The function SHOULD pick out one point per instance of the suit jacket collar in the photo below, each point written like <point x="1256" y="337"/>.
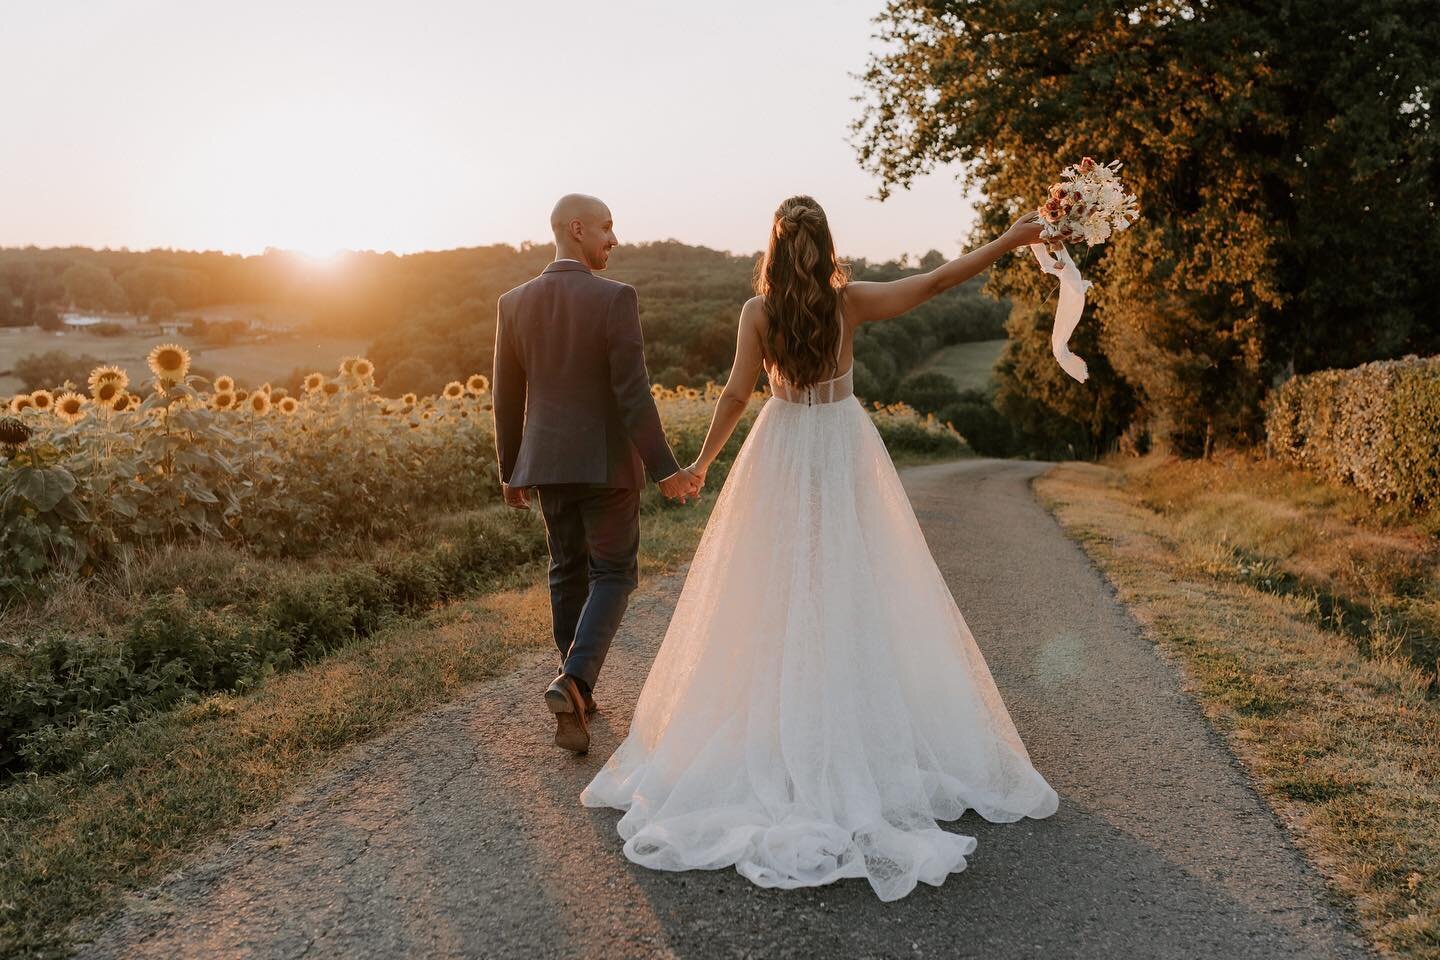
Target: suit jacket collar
<point x="557" y="266"/>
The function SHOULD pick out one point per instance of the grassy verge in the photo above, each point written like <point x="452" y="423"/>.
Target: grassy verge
<point x="73" y="841"/>
<point x="1304" y="620"/>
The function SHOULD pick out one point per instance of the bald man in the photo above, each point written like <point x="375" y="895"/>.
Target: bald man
<point x="575" y="422"/>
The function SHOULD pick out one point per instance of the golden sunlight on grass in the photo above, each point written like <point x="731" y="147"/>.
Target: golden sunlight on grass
<point x="1250" y="575"/>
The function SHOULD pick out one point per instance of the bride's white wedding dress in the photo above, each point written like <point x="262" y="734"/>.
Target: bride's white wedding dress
<point x="818" y="702"/>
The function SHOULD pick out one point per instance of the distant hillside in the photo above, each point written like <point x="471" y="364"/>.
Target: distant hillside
<point x="431" y="316"/>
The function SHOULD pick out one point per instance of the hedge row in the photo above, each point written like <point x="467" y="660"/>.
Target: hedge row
<point x="1375" y="426"/>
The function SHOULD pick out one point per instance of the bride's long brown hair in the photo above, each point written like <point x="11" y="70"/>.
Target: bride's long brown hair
<point x="801" y="281"/>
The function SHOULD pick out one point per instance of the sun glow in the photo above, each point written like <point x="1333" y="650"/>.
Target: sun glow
<point x="328" y="126"/>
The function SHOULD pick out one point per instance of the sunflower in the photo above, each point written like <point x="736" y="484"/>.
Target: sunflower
<point x="454" y="390"/>
<point x="362" y="368"/>
<point x="106" y="390"/>
<point x="425" y="415"/>
<point x="169" y="362"/>
<point x="134" y="402"/>
<point x="13" y="432"/>
<point x="346" y="365"/>
<point x="70" y="406"/>
<point x="477" y="383"/>
<point x="259" y="403"/>
<point x="288" y="405"/>
<point x="108" y="374"/>
<point x="224" y="400"/>
<point x="409" y="399"/>
<point x="224" y="384"/>
<point x="657" y="391"/>
<point x="265" y="388"/>
<point x="314" y="381"/>
<point x="692" y="394"/>
<point x="241" y="395"/>
<point x="20" y="402"/>
<point x="330" y="388"/>
<point x="42" y="399"/>
<point x="121" y="402"/>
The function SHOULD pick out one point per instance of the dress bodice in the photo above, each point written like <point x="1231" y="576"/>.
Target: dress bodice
<point x="826" y="391"/>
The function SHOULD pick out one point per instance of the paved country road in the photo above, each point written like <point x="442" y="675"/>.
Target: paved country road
<point x="459" y="835"/>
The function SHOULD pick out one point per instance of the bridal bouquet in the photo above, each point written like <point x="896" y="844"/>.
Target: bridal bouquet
<point x="1087" y="204"/>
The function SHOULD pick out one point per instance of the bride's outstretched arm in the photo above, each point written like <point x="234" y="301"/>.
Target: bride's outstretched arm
<point x="867" y="300"/>
<point x="744" y="374"/>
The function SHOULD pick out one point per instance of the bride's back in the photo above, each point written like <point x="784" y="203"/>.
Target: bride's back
<point x="836" y="387"/>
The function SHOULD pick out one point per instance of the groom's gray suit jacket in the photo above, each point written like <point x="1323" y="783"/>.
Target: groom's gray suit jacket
<point x="571" y="392"/>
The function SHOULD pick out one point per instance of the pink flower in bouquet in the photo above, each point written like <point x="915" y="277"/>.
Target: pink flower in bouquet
<point x="1086" y="164"/>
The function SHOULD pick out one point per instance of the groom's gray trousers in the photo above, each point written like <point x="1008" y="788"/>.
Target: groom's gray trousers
<point x="594" y="538"/>
<point x="575" y="419"/>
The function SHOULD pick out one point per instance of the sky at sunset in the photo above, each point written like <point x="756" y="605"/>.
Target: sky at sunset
<point x="428" y="125"/>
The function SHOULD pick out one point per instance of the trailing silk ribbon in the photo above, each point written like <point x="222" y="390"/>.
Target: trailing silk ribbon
<point x="1067" y="311"/>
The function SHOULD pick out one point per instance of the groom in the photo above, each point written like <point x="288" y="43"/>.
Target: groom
<point x="575" y="422"/>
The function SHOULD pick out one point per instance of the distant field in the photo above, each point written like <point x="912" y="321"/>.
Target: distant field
<point x="250" y="363"/>
<point x="968" y="364"/>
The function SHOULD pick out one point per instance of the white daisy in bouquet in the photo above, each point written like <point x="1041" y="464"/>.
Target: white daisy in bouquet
<point x="1088" y="204"/>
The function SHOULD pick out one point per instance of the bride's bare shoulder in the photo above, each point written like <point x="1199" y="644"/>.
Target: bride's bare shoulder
<point x="753" y="315"/>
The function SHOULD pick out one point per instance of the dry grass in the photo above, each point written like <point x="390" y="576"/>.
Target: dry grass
<point x="1299" y="616"/>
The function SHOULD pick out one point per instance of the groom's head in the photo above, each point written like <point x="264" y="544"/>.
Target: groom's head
<point x="584" y="230"/>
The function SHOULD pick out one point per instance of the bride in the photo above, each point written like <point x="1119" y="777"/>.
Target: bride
<point x="818" y="702"/>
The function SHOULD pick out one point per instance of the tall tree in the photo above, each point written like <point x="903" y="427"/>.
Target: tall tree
<point x="1284" y="156"/>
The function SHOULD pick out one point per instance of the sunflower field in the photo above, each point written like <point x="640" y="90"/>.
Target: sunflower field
<point x="89" y="477"/>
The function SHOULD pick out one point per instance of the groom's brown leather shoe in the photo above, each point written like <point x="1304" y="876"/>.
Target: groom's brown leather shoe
<point x="564" y="699"/>
<point x="590" y="708"/>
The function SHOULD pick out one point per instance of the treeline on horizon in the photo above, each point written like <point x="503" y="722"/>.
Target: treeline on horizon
<point x="432" y="315"/>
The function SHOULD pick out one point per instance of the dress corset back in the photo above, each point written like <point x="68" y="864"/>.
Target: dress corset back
<point x="826" y="391"/>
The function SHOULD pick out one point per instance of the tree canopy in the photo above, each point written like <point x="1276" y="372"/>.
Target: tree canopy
<point x="1285" y="159"/>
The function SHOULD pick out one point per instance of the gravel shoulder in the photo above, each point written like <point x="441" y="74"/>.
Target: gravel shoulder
<point x="459" y="834"/>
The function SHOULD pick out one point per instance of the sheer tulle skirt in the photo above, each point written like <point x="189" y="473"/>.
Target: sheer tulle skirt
<point x="818" y="702"/>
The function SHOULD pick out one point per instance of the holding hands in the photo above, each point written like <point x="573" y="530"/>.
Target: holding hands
<point x="682" y="485"/>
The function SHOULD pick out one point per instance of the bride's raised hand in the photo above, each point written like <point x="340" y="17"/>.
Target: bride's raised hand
<point x="1024" y="231"/>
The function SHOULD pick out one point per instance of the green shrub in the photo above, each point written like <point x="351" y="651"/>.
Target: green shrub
<point x="931" y="392"/>
<point x="907" y="432"/>
<point x="1375" y="426"/>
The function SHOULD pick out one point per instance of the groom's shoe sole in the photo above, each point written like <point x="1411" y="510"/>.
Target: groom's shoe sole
<point x="571" y="730"/>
